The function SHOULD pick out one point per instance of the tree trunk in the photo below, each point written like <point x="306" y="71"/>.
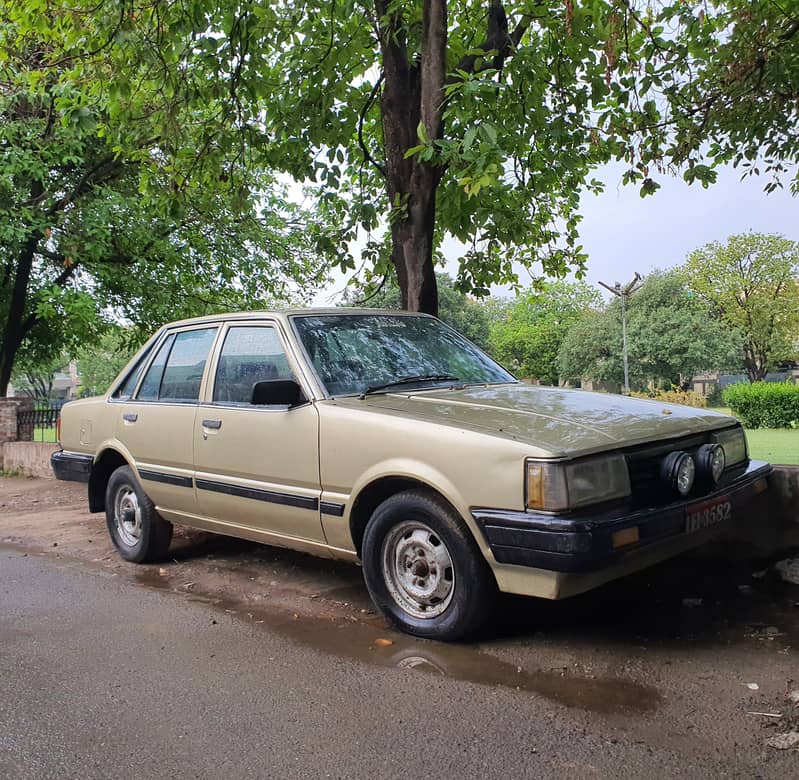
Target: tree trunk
<point x="14" y="327"/>
<point x="413" y="97"/>
<point x="756" y="364"/>
<point x="412" y="253"/>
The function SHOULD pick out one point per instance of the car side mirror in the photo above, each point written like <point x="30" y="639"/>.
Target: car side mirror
<point x="277" y="392"/>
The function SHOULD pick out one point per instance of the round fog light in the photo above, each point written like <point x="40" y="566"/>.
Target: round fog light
<point x="678" y="471"/>
<point x="710" y="461"/>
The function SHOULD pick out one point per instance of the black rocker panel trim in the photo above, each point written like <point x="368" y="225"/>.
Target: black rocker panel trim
<point x="167" y="479"/>
<point x="258" y="494"/>
<point x="332" y="508"/>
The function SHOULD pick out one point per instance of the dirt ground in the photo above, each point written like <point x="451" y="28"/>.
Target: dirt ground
<point x="696" y="654"/>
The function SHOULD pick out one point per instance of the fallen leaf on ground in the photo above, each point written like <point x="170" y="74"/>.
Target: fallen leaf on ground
<point x="789" y="570"/>
<point x="784" y="741"/>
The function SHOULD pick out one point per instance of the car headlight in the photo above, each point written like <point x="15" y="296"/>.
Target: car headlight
<point x="678" y="471"/>
<point x="555" y="487"/>
<point x="710" y="462"/>
<point x="733" y="441"/>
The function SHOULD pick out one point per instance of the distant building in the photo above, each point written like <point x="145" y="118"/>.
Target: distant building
<point x="64" y="387"/>
<point x="66" y="383"/>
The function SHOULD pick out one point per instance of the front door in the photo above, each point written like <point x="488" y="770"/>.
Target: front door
<point x="256" y="466"/>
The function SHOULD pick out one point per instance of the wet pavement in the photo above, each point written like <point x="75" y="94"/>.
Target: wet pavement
<point x="695" y="657"/>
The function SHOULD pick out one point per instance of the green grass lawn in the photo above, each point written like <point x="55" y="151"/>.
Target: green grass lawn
<point x="45" y="434"/>
<point x="776" y="445"/>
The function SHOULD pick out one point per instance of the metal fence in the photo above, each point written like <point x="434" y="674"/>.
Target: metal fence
<point x="39" y="424"/>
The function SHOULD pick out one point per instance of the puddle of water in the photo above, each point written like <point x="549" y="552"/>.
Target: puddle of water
<point x="355" y="640"/>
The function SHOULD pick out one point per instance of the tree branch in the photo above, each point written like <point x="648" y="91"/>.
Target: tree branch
<point x="66" y="274"/>
<point x="498" y="39"/>
<point x="367" y="155"/>
<point x="105" y="170"/>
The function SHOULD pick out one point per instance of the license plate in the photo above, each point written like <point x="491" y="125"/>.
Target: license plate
<point x="701" y="516"/>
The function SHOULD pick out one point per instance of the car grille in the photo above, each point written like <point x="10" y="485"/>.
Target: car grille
<point x="643" y="464"/>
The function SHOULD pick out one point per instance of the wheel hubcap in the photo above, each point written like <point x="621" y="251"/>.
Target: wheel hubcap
<point x="418" y="570"/>
<point x="127" y="516"/>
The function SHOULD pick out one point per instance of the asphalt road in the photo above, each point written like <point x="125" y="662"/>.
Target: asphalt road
<point x="101" y="677"/>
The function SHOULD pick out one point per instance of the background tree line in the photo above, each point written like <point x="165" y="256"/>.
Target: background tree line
<point x="729" y="307"/>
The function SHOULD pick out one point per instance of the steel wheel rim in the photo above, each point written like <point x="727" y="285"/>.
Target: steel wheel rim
<point x="127" y="516"/>
<point x="418" y="569"/>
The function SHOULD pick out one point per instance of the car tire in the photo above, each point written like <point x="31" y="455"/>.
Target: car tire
<point x="424" y="570"/>
<point x="139" y="533"/>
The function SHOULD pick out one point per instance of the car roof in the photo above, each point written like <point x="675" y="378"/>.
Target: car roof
<point x="291" y="312"/>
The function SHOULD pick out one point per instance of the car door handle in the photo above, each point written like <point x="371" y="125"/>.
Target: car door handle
<point x="214" y="424"/>
<point x="130" y="417"/>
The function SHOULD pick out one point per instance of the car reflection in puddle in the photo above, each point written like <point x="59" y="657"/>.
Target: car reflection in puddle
<point x="369" y="642"/>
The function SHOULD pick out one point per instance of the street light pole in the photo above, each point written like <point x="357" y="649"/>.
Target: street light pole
<point x="624" y="293"/>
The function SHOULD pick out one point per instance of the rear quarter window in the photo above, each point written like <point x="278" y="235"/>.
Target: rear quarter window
<point x="128" y="386"/>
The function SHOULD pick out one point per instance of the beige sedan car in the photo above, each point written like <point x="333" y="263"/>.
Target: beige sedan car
<point x="388" y="438"/>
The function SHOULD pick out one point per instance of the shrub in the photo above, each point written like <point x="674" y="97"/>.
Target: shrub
<point x="764" y="404"/>
<point x="684" y="397"/>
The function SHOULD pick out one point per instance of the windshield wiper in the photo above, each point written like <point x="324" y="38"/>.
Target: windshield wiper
<point x="409" y="380"/>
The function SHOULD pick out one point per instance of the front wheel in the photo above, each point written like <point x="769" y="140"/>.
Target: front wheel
<point x="139" y="533"/>
<point x="423" y="568"/>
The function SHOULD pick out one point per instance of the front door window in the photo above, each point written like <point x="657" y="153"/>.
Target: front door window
<point x="249" y="355"/>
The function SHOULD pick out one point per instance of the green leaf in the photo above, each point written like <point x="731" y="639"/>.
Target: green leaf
<point x="414" y="150"/>
<point x="421" y="133"/>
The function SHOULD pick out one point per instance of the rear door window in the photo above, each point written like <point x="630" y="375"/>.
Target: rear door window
<point x="177" y="370"/>
<point x="185" y="366"/>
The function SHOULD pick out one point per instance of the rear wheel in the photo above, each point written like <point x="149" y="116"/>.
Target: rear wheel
<point x="139" y="533"/>
<point x="423" y="568"/>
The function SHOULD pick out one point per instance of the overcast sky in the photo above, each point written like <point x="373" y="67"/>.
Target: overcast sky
<point x="624" y="233"/>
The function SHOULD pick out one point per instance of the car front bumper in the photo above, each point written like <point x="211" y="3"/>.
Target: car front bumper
<point x="71" y="466"/>
<point x="585" y="549"/>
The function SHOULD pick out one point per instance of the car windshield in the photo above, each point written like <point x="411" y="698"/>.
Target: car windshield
<point x="356" y="353"/>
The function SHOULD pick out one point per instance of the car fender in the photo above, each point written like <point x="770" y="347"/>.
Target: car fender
<point x="426" y="474"/>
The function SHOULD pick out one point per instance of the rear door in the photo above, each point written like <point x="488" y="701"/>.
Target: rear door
<point x="257" y="466"/>
<point x="157" y="424"/>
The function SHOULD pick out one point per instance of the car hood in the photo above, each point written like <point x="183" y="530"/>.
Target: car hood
<point x="556" y="422"/>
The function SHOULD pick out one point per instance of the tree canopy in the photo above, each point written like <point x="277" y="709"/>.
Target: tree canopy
<point x="751" y="282"/>
<point x="100" y="363"/>
<point x="733" y="95"/>
<point x="125" y="185"/>
<point x="671" y="336"/>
